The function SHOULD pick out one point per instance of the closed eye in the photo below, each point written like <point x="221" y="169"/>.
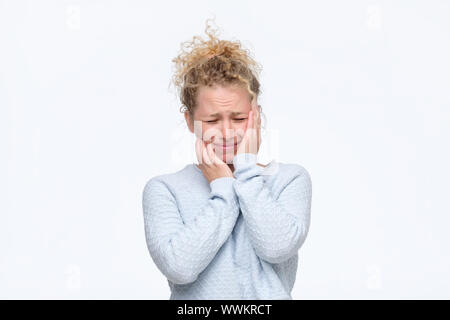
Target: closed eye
<point x="212" y="121"/>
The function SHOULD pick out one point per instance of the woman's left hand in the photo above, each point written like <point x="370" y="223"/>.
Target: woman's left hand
<point x="252" y="137"/>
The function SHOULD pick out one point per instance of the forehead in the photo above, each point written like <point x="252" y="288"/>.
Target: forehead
<point x="222" y="99"/>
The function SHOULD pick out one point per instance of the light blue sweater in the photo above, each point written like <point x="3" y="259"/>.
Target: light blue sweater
<point x="234" y="238"/>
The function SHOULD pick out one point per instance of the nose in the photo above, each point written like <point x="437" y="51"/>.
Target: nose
<point x="228" y="132"/>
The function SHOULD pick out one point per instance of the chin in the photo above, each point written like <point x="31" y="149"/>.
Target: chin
<point x="230" y="157"/>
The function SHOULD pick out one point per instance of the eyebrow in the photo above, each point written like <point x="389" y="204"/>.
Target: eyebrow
<point x="235" y="113"/>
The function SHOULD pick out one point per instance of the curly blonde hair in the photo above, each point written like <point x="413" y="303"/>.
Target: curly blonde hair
<point x="211" y="62"/>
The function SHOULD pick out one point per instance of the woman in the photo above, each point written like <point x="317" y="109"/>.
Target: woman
<point x="227" y="227"/>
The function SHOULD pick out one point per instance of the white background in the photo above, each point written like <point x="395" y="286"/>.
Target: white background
<point x="355" y="91"/>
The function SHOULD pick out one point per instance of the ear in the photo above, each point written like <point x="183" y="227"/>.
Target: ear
<point x="189" y="123"/>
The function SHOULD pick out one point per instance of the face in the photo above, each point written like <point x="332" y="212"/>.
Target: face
<point x="221" y="118"/>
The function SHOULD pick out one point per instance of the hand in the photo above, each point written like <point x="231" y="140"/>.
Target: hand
<point x="252" y="137"/>
<point x="211" y="165"/>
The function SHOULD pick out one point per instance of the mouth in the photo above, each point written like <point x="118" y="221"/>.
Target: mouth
<point x="226" y="146"/>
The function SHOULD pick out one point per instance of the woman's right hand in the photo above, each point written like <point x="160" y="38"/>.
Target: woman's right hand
<point x="212" y="166"/>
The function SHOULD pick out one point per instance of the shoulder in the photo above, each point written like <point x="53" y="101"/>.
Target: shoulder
<point x="295" y="171"/>
<point x="298" y="170"/>
<point x="159" y="182"/>
<point x="168" y="182"/>
<point x="153" y="188"/>
<point x="282" y="176"/>
<point x="287" y="169"/>
<point x="295" y="183"/>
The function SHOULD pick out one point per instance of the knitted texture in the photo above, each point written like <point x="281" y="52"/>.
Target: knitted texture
<point x="233" y="238"/>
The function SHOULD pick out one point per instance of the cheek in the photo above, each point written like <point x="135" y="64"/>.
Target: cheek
<point x="208" y="131"/>
<point x="240" y="129"/>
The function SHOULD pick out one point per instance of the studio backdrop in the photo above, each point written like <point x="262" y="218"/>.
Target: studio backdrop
<point x="357" y="92"/>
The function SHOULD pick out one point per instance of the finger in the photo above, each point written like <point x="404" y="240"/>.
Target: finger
<point x="217" y="160"/>
<point x="255" y="125"/>
<point x="258" y="114"/>
<point x="258" y="120"/>
<point x="250" y="120"/>
<point x="211" y="153"/>
<point x="253" y="139"/>
<point x="198" y="150"/>
<point x="259" y="134"/>
<point x="254" y="118"/>
<point x="242" y="143"/>
<point x="206" y="159"/>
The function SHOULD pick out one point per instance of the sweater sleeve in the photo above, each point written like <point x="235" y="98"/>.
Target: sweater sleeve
<point x="277" y="226"/>
<point x="182" y="250"/>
